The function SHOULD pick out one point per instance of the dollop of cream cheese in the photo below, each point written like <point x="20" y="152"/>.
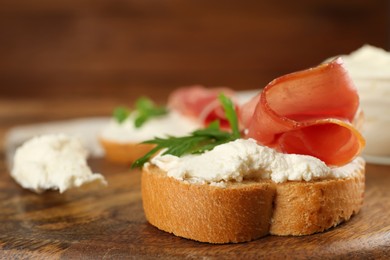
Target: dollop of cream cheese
<point x="53" y="161"/>
<point x="368" y="62"/>
<point x="369" y="68"/>
<point x="172" y="123"/>
<point x="245" y="159"/>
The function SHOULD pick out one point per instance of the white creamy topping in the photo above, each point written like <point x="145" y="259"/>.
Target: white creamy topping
<point x="368" y="62"/>
<point x="53" y="161"/>
<point x="171" y="124"/>
<point x="244" y="159"/>
<point x="369" y="68"/>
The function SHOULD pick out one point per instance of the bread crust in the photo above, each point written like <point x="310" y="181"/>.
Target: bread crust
<point x="124" y="153"/>
<point x="246" y="211"/>
<point x="304" y="208"/>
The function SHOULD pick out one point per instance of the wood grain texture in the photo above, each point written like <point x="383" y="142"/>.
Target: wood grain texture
<point x="109" y="223"/>
<point x="100" y="48"/>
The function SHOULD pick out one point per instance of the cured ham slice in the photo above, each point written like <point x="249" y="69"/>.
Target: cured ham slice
<point x="200" y="103"/>
<point x="308" y="112"/>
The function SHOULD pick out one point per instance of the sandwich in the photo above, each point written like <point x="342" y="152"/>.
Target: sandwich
<point x="122" y="138"/>
<point x="289" y="164"/>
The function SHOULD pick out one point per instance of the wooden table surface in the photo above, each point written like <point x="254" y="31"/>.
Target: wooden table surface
<point x="109" y="223"/>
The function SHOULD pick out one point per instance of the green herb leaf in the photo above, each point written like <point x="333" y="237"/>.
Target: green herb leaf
<point x="121" y="113"/>
<point x="146" y="109"/>
<point x="198" y="141"/>
<point x="231" y="114"/>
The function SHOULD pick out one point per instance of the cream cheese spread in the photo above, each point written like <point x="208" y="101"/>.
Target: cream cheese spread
<point x="171" y="124"/>
<point x="245" y="159"/>
<point x="53" y="161"/>
<point x="369" y="67"/>
<point x="368" y="62"/>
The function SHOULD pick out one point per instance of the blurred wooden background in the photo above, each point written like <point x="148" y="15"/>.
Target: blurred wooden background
<point x="116" y="48"/>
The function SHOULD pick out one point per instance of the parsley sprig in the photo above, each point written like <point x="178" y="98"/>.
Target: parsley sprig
<point x="120" y="114"/>
<point x="145" y="109"/>
<point x="198" y="141"/>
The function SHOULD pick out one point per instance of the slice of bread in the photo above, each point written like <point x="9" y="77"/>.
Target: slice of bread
<point x="244" y="211"/>
<point x="124" y="153"/>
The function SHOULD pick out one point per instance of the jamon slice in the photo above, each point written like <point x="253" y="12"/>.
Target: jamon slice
<point x="200" y="103"/>
<point x="308" y="112"/>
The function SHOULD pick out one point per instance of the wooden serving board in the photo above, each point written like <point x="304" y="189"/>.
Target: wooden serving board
<point x="109" y="223"/>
